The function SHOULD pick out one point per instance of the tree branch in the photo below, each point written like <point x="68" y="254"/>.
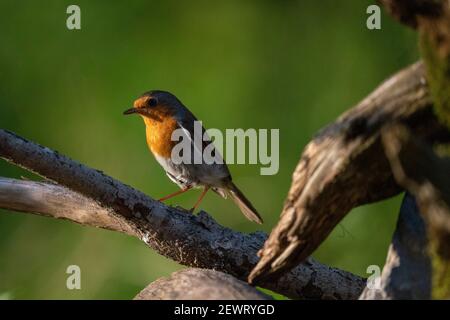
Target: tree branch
<point x="196" y="241"/>
<point x="432" y="19"/>
<point x="407" y="272"/>
<point x="343" y="167"/>
<point x="417" y="168"/>
<point x="200" y="284"/>
<point x="55" y="201"/>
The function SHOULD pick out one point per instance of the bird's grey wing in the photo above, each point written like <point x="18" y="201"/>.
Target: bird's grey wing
<point x="212" y="171"/>
<point x="199" y="139"/>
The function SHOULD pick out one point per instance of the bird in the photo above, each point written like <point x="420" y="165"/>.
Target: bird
<point x="163" y="113"/>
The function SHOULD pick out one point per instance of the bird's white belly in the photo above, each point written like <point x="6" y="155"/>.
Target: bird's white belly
<point x="194" y="175"/>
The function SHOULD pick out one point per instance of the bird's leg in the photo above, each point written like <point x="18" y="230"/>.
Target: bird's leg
<point x="199" y="199"/>
<point x="175" y="193"/>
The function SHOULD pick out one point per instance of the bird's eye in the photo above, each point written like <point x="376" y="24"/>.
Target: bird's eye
<point x="152" y="102"/>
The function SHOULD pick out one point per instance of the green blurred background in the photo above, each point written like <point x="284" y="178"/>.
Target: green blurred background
<point x="292" y="65"/>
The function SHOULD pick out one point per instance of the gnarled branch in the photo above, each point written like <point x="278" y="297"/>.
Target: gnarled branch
<point x="343" y="167"/>
<point x="198" y="241"/>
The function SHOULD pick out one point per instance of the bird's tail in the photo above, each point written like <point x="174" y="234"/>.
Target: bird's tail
<point x="244" y="204"/>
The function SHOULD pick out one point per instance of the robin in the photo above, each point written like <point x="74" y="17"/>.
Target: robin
<point x="163" y="113"/>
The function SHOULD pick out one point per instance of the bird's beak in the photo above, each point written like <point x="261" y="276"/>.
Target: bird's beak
<point x="131" y="111"/>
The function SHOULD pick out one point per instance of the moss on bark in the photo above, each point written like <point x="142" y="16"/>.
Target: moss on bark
<point x="434" y="41"/>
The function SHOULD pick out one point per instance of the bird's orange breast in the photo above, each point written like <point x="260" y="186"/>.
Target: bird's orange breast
<point x="159" y="133"/>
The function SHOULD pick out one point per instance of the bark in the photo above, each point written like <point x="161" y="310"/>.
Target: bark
<point x="343" y="167"/>
<point x="407" y="272"/>
<point x="90" y="197"/>
<point x="419" y="170"/>
<point x="409" y="12"/>
<point x="425" y="180"/>
<point x="200" y="284"/>
<point x="52" y="200"/>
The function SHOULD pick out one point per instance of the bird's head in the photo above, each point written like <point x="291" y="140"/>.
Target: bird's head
<point x="155" y="105"/>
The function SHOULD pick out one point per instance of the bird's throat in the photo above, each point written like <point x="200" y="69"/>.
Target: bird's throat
<point x="159" y="134"/>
